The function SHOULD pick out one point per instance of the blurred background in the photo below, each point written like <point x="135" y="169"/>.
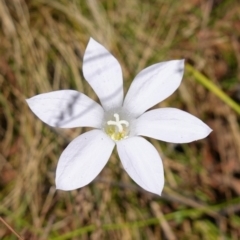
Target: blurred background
<point x="42" y="43"/>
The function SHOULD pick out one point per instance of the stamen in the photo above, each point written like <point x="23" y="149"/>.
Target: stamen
<point x="118" y="122"/>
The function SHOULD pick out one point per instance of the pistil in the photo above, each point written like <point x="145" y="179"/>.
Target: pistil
<point x="117" y="129"/>
<point x="118" y="122"/>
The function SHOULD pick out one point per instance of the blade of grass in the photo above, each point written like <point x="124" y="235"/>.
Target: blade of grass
<point x="10" y="228"/>
<point x="185" y="213"/>
<point x="207" y="83"/>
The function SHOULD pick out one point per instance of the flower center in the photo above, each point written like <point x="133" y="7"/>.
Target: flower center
<point x="117" y="129"/>
<point x="118" y="122"/>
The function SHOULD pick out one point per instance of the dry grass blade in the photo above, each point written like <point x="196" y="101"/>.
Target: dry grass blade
<point x="10" y="228"/>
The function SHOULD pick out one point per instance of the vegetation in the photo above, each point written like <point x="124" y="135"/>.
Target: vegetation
<point x="42" y="43"/>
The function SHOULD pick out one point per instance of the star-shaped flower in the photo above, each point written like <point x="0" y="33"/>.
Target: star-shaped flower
<point x="118" y="121"/>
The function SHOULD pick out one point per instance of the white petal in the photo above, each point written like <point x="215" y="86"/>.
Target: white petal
<point x="171" y="125"/>
<point x="104" y="74"/>
<point x="67" y="109"/>
<point x="142" y="162"/>
<point x="83" y="160"/>
<point x="152" y="85"/>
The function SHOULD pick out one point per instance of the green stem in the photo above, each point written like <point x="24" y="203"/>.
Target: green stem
<point x="213" y="88"/>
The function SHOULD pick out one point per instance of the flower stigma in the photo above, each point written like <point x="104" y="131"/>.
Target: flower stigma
<point x="117" y="129"/>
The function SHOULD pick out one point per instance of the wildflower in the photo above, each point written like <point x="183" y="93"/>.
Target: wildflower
<point x="117" y="122"/>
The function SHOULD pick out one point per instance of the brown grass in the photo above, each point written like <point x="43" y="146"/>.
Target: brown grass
<point x="41" y="48"/>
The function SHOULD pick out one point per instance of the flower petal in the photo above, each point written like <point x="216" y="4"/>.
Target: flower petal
<point x="171" y="125"/>
<point x="104" y="74"/>
<point x="83" y="160"/>
<point x="67" y="109"/>
<point x="142" y="162"/>
<point x="152" y="85"/>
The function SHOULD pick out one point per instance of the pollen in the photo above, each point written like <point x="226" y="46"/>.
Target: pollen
<point x="117" y="129"/>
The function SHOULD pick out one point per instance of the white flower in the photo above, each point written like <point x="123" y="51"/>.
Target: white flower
<point x="118" y="122"/>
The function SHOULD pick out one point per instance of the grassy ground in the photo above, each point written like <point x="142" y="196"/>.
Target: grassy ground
<point x="42" y="43"/>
